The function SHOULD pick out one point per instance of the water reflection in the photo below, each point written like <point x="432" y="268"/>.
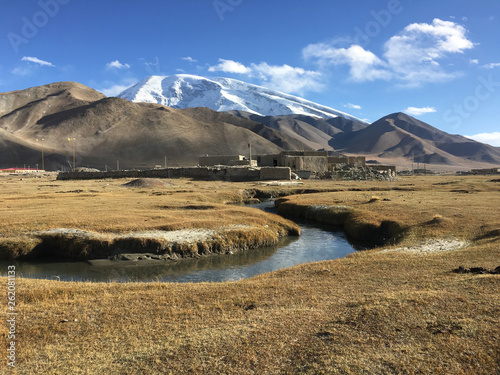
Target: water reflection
<point x="315" y="244"/>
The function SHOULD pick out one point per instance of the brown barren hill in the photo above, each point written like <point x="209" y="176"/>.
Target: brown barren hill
<point x="312" y="132"/>
<point x="110" y="129"/>
<point x="279" y="138"/>
<point x="399" y="136"/>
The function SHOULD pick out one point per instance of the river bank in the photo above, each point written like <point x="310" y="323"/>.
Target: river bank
<point x="165" y="220"/>
<point x="316" y="243"/>
<point x="393" y="312"/>
<point x="405" y="213"/>
<point x="103" y="219"/>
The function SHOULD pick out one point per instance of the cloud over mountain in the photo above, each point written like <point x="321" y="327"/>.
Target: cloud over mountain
<point x="415" y="111"/>
<point x="285" y="78"/>
<point x="117" y="65"/>
<point x="411" y="58"/>
<point x="36" y="60"/>
<point x="489" y="138"/>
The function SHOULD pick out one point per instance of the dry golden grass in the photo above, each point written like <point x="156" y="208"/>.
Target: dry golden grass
<point x="372" y="312"/>
<point x="106" y="206"/>
<point x="31" y="204"/>
<point x="408" y="210"/>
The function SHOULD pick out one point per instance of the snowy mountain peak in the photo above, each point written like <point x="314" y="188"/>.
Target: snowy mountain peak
<point x="224" y="94"/>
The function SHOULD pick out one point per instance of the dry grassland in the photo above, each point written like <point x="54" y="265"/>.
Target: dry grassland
<point x="31" y="205"/>
<point x="373" y="312"/>
<point x="406" y="211"/>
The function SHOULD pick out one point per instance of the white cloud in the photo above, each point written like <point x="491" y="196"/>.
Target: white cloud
<point x="278" y="77"/>
<point x="365" y="65"/>
<point x="36" y="60"/>
<point x="114" y="88"/>
<point x="28" y="69"/>
<point x="153" y="67"/>
<point x="474" y="61"/>
<point x="446" y="36"/>
<point x="489" y="138"/>
<point x="287" y="78"/>
<point x="117" y="64"/>
<point x="414" y="53"/>
<point x="352" y="106"/>
<point x="412" y="57"/>
<point x="415" y="111"/>
<point x="491" y="65"/>
<point x="230" y="66"/>
<point x="189" y="59"/>
<point x="21" y="71"/>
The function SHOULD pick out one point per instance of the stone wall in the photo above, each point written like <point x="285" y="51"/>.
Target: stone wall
<point x="380" y="167"/>
<point x="351" y="161"/>
<point x="196" y="173"/>
<point x="208" y="161"/>
<point x="275" y="173"/>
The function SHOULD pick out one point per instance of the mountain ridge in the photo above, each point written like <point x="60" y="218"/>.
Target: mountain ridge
<point x="142" y="135"/>
<point x="399" y="135"/>
<point x="110" y="129"/>
<point x="314" y="132"/>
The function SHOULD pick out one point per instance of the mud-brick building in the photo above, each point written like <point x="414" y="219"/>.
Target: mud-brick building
<point x="304" y="160"/>
<point x="232" y="160"/>
<point x="351" y="161"/>
<point x="314" y="161"/>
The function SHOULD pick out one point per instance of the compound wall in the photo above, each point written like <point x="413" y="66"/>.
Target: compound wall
<point x="196" y="173"/>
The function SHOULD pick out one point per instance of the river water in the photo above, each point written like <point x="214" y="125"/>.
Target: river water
<point x="316" y="243"/>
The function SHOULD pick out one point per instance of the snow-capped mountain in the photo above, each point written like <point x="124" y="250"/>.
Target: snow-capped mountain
<point x="224" y="94"/>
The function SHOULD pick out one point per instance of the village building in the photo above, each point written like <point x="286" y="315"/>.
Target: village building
<point x="231" y="160"/>
<point x="21" y="170"/>
<point x="316" y="161"/>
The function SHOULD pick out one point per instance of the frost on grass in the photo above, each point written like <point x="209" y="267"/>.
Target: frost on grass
<point x="177" y="236"/>
<point x="431" y="246"/>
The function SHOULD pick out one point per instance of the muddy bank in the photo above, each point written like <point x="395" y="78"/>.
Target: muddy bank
<point x="270" y="190"/>
<point x="364" y="227"/>
<point x="154" y="245"/>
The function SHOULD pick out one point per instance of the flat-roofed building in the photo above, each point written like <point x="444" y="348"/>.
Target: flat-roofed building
<point x="21" y="170"/>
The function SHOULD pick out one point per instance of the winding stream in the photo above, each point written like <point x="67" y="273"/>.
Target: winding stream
<point x="316" y="243"/>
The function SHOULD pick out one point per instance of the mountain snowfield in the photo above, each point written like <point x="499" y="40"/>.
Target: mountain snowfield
<point x="224" y="94"/>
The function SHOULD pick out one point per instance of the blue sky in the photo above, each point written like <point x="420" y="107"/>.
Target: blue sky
<point x="436" y="60"/>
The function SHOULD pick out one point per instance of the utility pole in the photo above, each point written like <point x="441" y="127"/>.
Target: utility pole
<point x="412" y="160"/>
<point x="43" y="161"/>
<point x="73" y="140"/>
<point x="118" y="165"/>
<point x="250" y="147"/>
